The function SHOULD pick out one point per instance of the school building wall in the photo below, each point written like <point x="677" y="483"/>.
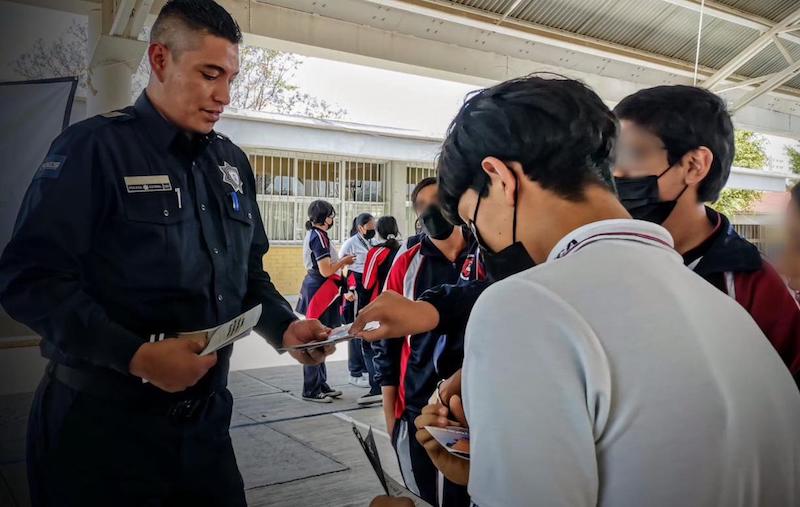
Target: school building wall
<point x="284" y="263"/>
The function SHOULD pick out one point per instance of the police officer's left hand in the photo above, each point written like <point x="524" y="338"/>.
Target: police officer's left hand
<point x="300" y="332"/>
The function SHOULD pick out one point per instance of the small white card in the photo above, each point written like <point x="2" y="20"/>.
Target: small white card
<point x="339" y="334"/>
<point x="453" y="438"/>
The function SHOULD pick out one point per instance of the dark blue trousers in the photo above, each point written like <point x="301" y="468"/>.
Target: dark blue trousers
<point x="87" y="451"/>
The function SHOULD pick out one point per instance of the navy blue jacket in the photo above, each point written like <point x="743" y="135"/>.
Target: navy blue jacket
<point x="414" y="364"/>
<point x="131" y="228"/>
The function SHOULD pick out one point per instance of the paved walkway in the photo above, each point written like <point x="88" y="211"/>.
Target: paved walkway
<point x="290" y="452"/>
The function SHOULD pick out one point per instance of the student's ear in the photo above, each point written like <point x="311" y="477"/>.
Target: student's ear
<point x="699" y="163"/>
<point x="502" y="176"/>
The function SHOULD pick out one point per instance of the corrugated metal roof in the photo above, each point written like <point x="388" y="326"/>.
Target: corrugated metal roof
<point x="775" y="10"/>
<point x="658" y="27"/>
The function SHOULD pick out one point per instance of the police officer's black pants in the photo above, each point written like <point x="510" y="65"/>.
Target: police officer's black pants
<point x="88" y="451"/>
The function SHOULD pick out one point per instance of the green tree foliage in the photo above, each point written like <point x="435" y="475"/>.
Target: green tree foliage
<point x="750" y="151"/>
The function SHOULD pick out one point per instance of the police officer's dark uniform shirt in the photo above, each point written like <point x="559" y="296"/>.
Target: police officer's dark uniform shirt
<point x="132" y="228"/>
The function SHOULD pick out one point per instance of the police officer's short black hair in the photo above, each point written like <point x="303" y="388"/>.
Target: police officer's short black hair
<point x="558" y="129"/>
<point x="686" y="118"/>
<point x="205" y="16"/>
<point x="318" y="212"/>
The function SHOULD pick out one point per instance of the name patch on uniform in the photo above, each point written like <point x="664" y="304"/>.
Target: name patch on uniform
<point x="51" y="166"/>
<point x="137" y="184"/>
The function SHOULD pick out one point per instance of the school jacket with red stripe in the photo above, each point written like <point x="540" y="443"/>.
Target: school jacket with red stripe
<point x="408" y="363"/>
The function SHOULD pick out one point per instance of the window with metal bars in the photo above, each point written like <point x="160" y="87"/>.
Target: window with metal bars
<point x="287" y="182"/>
<point x="414" y="174"/>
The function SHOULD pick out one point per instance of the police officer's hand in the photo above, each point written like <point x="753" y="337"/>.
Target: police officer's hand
<point x="300" y="332"/>
<point x="172" y="364"/>
<point x="397" y="315"/>
<point x="453" y="467"/>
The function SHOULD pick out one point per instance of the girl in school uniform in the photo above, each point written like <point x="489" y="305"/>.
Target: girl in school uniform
<point x="320" y="291"/>
<point x="361" y="240"/>
<point x="381" y="256"/>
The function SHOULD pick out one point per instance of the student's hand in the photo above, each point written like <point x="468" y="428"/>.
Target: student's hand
<point x="350" y="296"/>
<point x="300" y="332"/>
<point x="173" y="364"/>
<point x="397" y="315"/>
<point x="450" y="387"/>
<point x="391" y="501"/>
<point x="455" y="469"/>
<point x="348" y="260"/>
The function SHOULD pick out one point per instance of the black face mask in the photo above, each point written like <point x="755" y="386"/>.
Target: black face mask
<point x="435" y="224"/>
<point x="369" y="234"/>
<point x="640" y="196"/>
<point x="512" y="259"/>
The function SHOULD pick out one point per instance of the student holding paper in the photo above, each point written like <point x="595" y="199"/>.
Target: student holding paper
<point x="144" y="222"/>
<point x="409" y="368"/>
<point x="321" y="291"/>
<point x="644" y="384"/>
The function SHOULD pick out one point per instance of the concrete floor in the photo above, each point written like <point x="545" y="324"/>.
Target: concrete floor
<point x="290" y="452"/>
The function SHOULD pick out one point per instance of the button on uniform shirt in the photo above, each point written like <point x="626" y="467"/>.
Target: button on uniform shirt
<point x="131" y="227"/>
<point x="612" y="375"/>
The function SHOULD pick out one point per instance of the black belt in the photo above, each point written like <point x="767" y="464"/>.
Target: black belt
<point x="118" y="391"/>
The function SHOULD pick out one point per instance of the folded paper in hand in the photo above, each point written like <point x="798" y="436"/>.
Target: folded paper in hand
<point x="337" y="335"/>
<point x="227" y="333"/>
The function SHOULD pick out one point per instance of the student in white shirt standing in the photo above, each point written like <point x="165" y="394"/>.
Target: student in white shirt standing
<point x="360" y="353"/>
<point x="608" y="374"/>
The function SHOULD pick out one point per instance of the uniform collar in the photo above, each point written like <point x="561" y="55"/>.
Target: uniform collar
<point x="428" y="249"/>
<point x="727" y="251"/>
<point x="161" y="131"/>
<point x="637" y="231"/>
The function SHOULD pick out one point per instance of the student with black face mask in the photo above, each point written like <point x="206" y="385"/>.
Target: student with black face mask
<point x="675" y="153"/>
<point x="609" y="374"/>
<point x="358" y="244"/>
<point x="409" y="369"/>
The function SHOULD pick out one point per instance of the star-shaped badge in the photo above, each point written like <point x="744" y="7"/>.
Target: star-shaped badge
<point x="230" y="175"/>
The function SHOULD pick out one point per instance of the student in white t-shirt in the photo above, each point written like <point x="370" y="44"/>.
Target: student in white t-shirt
<point x="608" y="374"/>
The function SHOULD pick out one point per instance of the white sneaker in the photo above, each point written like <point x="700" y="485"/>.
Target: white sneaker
<point x="361" y="381"/>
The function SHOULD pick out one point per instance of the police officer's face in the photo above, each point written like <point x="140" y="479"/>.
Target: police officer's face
<point x="197" y="81"/>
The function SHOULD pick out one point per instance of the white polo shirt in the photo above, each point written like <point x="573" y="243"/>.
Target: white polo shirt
<point x="613" y="375"/>
<point x="358" y="246"/>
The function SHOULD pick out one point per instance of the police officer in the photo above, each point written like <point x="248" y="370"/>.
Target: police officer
<point x="139" y="224"/>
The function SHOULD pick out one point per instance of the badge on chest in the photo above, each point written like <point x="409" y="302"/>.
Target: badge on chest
<point x="230" y="175"/>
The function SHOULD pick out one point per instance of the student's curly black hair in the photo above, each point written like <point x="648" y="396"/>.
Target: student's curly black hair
<point x="558" y="129"/>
